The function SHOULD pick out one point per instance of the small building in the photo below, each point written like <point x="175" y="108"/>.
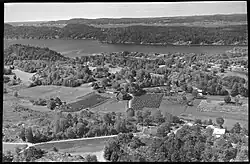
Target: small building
<point x="218" y="132"/>
<point x="190" y="124"/>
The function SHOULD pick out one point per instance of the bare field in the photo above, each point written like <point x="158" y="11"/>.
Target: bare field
<point x="64" y="93"/>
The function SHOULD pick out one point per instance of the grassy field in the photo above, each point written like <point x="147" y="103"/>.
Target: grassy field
<point x="24" y="76"/>
<point x="64" y="93"/>
<point x="92" y="145"/>
<point x="11" y="147"/>
<point x="111" y="106"/>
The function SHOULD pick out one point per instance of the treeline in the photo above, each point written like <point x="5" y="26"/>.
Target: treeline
<point x="134" y="34"/>
<point x="25" y="52"/>
<point x="81" y="125"/>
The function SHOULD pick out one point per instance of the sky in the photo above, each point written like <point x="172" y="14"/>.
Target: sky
<point x="22" y="12"/>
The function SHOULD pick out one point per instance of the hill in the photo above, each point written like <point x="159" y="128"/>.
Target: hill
<point x="153" y="20"/>
<point x="25" y="52"/>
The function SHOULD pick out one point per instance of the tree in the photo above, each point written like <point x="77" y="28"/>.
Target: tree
<point x="54" y="149"/>
<point x="51" y="104"/>
<point x="22" y="134"/>
<point x="163" y="130"/>
<point x="198" y="121"/>
<point x="107" y="118"/>
<point x="70" y="133"/>
<point x="210" y="122"/>
<point x="195" y="93"/>
<point x="130" y="112"/>
<point x="220" y="121"/>
<point x="29" y="135"/>
<point x="58" y="101"/>
<point x="234" y="90"/>
<point x="15" y="93"/>
<point x="227" y="99"/>
<point x="91" y="158"/>
<point x="158" y="117"/>
<point x="236" y="128"/>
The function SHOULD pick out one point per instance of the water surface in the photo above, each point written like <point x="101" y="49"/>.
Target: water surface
<point x="73" y="48"/>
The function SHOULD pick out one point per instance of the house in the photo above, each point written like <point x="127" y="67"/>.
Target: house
<point x="218" y="132"/>
<point x="190" y="124"/>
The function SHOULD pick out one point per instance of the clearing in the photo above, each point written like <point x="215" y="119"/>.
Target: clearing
<point x="24" y="76"/>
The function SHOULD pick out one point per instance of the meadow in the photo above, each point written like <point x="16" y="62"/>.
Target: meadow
<point x="67" y="94"/>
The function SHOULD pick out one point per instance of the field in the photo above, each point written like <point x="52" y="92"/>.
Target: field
<point x="111" y="106"/>
<point x="24" y="76"/>
<point x="77" y="146"/>
<point x="232" y="73"/>
<point x="87" y="101"/>
<point x="64" y="93"/>
<point x="192" y="113"/>
<point x="146" y="100"/>
<point x="11" y="147"/>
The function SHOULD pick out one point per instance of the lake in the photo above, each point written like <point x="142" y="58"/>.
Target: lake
<point x="73" y="48"/>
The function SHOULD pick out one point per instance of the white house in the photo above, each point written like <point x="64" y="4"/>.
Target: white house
<point x="218" y="132"/>
<point x="190" y="124"/>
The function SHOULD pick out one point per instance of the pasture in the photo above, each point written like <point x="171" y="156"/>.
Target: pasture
<point x="67" y="94"/>
<point x="12" y="147"/>
<point x="89" y="145"/>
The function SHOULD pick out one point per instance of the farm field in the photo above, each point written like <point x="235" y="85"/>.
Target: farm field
<point x="64" y="93"/>
<point x="87" y="101"/>
<point x="146" y="100"/>
<point x="111" y="106"/>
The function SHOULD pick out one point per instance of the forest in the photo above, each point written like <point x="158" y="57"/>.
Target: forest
<point x="138" y="34"/>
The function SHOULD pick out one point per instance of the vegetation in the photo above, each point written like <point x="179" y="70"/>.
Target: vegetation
<point x="137" y="34"/>
<point x="189" y="144"/>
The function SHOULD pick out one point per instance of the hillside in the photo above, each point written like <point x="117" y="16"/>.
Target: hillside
<point x="187" y="19"/>
<point x="177" y="35"/>
<point x="24" y="52"/>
